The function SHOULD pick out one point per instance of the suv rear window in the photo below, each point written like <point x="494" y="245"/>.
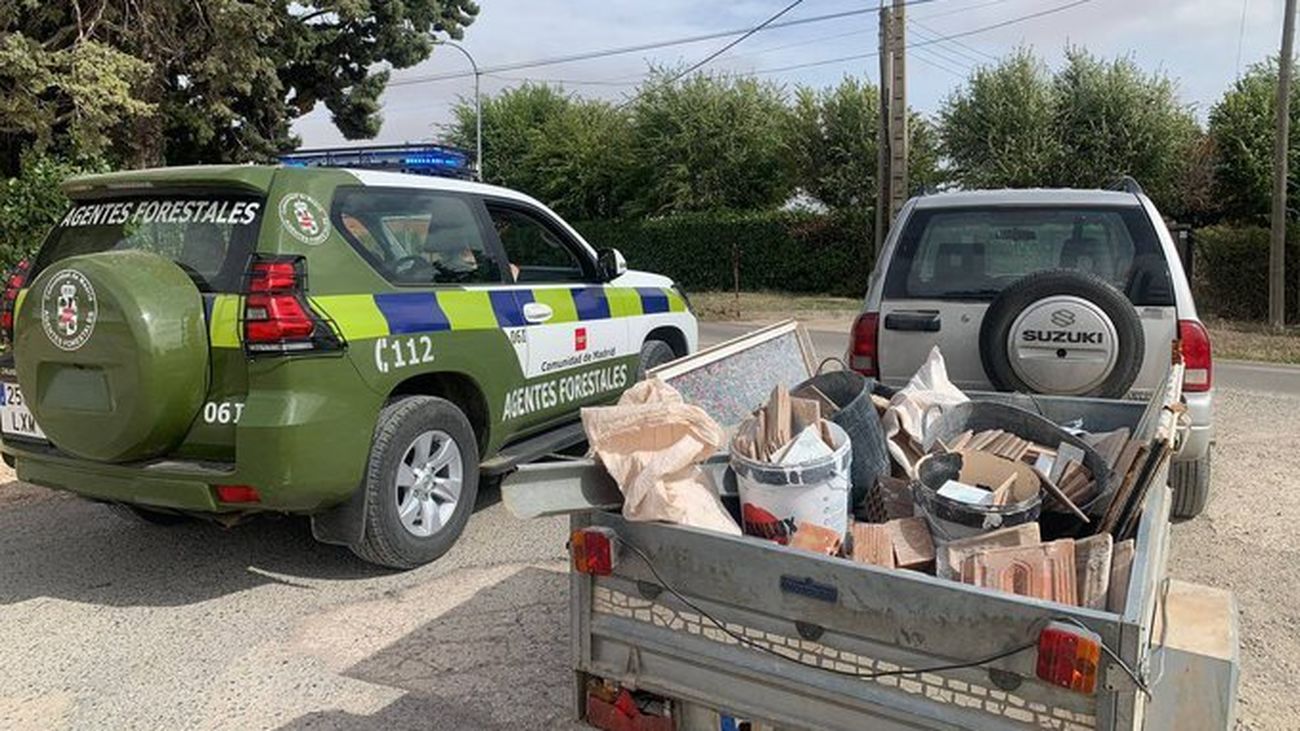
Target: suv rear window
<point x="973" y="253"/>
<point x="210" y="236"/>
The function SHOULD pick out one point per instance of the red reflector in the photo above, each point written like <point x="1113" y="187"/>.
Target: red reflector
<point x="6" y="319"/>
<point x="594" y="551"/>
<point x="1198" y="362"/>
<point x="863" y="355"/>
<point x="237" y="494"/>
<point x="1068" y="656"/>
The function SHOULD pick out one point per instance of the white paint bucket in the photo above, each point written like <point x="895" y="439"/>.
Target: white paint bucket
<point x="775" y="499"/>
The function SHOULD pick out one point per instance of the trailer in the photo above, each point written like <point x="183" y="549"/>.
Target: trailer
<point x="741" y="628"/>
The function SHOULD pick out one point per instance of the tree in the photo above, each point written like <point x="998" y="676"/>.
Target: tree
<point x="999" y="130"/>
<point x="709" y="142"/>
<point x="1242" y="126"/>
<point x="510" y="121"/>
<point x="212" y="81"/>
<point x="1113" y="119"/>
<point x="583" y="159"/>
<point x="832" y="139"/>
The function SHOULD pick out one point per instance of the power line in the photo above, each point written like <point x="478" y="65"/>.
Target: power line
<point x="950" y="54"/>
<point x="590" y="55"/>
<point x="734" y="42"/>
<point x="933" y="62"/>
<point x="955" y="46"/>
<point x="962" y="34"/>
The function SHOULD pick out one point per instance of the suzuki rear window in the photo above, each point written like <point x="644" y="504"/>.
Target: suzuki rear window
<point x="209" y="236"/>
<point x="973" y="253"/>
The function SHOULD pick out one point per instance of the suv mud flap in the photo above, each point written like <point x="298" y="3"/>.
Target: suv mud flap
<point x="343" y="524"/>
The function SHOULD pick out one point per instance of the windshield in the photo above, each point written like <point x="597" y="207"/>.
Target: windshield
<point x="973" y="253"/>
<point x="209" y="236"/>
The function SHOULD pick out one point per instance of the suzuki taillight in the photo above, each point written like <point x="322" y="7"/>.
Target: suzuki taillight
<point x="594" y="551"/>
<point x="277" y="316"/>
<point x="863" y="357"/>
<point x="1198" y="364"/>
<point x="14" y="282"/>
<point x="1068" y="656"/>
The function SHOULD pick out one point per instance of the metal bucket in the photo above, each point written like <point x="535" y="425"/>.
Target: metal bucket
<point x="950" y="520"/>
<point x="851" y="392"/>
<point x="774" y="499"/>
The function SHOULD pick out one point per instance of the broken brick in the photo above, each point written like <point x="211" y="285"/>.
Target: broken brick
<point x="1044" y="571"/>
<point x="949" y="558"/>
<point x="816" y="539"/>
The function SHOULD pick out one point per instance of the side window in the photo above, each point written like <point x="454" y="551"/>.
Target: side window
<point x="416" y="236"/>
<point x="535" y="251"/>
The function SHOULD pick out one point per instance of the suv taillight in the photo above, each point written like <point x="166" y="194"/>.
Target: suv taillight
<point x="277" y="316"/>
<point x="15" y="280"/>
<point x="863" y="355"/>
<point x="1198" y="364"/>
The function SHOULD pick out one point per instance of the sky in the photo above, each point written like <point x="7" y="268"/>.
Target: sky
<point x="1198" y="43"/>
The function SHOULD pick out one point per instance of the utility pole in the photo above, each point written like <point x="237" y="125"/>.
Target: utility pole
<point x="882" y="134"/>
<point x="1277" y="251"/>
<point x="891" y="136"/>
<point x="898" y="137"/>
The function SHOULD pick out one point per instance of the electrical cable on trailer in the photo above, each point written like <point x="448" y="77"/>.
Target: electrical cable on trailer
<point x="747" y="642"/>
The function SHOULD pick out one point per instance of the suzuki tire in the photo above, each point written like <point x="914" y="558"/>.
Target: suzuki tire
<point x="1064" y="310"/>
<point x="1191" y="487"/>
<point x="421" y="482"/>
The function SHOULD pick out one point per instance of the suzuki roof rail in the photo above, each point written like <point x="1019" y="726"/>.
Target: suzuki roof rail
<point x="1126" y="184"/>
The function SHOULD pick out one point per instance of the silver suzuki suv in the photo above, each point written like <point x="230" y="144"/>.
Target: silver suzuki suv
<point x="1069" y="292"/>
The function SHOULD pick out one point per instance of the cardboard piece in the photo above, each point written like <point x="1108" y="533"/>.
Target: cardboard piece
<point x="873" y="544"/>
<point x="991" y="472"/>
<point x="806" y="447"/>
<point x="913" y="546"/>
<point x="949" y="558"/>
<point x="1092" y="558"/>
<point x="815" y="539"/>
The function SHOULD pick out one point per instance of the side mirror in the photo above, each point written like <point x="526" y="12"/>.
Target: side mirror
<point x="611" y="264"/>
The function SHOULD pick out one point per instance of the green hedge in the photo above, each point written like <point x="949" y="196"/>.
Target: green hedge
<point x="1231" y="268"/>
<point x="783" y="251"/>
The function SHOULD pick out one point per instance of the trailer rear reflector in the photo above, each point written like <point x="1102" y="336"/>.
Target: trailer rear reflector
<point x="1068" y="656"/>
<point x="594" y="551"/>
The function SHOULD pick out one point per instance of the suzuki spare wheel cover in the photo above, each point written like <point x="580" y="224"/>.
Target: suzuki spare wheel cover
<point x="1063" y="344"/>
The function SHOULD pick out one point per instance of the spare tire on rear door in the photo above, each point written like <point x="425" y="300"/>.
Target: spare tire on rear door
<point x="1062" y="332"/>
<point x="112" y="354"/>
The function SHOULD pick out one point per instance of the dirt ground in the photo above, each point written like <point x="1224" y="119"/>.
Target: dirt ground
<point x="109" y="624"/>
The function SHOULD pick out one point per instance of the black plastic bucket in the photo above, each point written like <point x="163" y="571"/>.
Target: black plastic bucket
<point x="851" y="392"/>
<point x="951" y="520"/>
<point x="979" y="416"/>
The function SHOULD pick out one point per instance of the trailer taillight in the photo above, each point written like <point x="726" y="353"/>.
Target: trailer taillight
<point x="594" y="551"/>
<point x="1068" y="656"/>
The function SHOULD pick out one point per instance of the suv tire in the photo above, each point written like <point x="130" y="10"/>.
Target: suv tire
<point x="1191" y="486"/>
<point x="421" y="482"/>
<point x="1021" y="295"/>
<point x="654" y="353"/>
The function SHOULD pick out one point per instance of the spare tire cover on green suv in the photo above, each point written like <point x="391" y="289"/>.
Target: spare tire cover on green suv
<point x="112" y="354"/>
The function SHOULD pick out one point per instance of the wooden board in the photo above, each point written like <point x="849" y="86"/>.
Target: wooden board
<point x="872" y="544"/>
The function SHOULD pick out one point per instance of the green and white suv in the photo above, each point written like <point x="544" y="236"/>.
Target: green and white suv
<point x="358" y="346"/>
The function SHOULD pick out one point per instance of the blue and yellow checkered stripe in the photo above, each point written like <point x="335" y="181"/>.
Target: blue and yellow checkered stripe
<point x="365" y="316"/>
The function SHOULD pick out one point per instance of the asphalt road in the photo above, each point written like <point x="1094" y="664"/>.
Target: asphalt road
<point x="106" y="623"/>
<point x="1232" y="374"/>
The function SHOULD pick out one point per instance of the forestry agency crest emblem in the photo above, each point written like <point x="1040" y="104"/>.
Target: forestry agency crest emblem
<point x="304" y="218"/>
<point x="68" y="309"/>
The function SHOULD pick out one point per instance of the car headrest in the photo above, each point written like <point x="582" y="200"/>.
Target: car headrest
<point x="1089" y="255"/>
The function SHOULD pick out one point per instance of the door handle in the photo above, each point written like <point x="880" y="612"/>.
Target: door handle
<point x="913" y="321"/>
<point x="536" y="312"/>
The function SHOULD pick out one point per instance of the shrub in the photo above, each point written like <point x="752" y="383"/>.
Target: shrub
<point x="783" y="251"/>
<point x="1232" y="271"/>
<point x="31" y="203"/>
